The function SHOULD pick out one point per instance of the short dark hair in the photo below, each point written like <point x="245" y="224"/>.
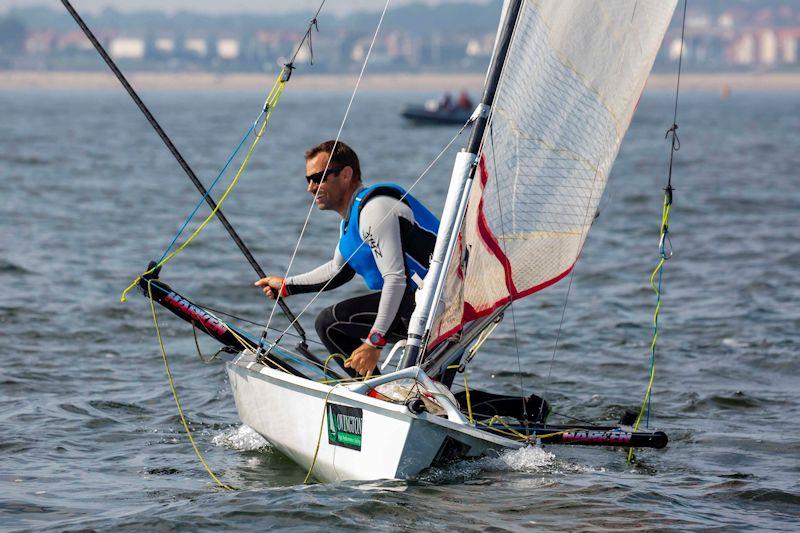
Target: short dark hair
<point x="342" y="156"/>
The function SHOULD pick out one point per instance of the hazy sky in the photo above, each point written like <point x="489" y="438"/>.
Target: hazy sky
<point x="227" y="6"/>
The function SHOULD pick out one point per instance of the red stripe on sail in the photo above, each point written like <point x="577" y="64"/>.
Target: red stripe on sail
<point x="488" y="237"/>
<point x="470" y="313"/>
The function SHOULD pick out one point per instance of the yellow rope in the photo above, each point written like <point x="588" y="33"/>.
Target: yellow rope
<point x="469" y="402"/>
<point x="509" y="430"/>
<point x="328" y="359"/>
<point x="175" y="395"/>
<point x="521" y="436"/>
<point x="319" y="436"/>
<point x="269" y="107"/>
<point x="664" y="221"/>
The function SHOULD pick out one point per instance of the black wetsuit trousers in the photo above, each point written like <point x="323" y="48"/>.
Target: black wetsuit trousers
<point x="341" y="327"/>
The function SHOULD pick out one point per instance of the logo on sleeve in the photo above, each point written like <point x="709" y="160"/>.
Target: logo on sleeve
<point x="372" y="242"/>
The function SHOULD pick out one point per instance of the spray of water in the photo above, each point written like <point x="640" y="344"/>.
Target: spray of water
<point x="242" y="438"/>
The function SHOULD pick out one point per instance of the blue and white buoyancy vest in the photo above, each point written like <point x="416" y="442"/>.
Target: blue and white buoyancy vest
<point x="418" y="237"/>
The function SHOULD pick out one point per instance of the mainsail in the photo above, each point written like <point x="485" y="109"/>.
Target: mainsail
<point x="570" y="84"/>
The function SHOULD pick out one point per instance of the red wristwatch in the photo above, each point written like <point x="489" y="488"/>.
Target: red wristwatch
<point x="376" y="339"/>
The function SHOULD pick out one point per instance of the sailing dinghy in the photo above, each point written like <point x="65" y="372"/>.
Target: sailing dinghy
<point x="560" y="94"/>
<point x="562" y="87"/>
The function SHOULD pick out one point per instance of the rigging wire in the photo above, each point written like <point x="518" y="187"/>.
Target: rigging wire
<point x="327" y="165"/>
<point x="569" y="287"/>
<point x="269" y="107"/>
<point x="313" y="24"/>
<point x="664" y="243"/>
<point x="473" y="118"/>
<point x="511" y="303"/>
<point x="210" y="188"/>
<point x="252" y="322"/>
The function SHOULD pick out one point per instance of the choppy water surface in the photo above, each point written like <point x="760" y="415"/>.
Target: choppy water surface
<point x="89" y="432"/>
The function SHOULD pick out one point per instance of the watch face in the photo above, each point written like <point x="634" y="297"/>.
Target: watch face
<point x="377" y="339"/>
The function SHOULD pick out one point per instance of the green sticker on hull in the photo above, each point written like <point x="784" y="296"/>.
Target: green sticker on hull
<point x="344" y="426"/>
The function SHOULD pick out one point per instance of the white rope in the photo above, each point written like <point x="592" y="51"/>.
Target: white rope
<point x="325" y="171"/>
<point x="399" y="200"/>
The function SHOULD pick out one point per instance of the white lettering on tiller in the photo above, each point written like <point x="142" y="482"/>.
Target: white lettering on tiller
<point x="210" y="322"/>
<point x="350" y="424"/>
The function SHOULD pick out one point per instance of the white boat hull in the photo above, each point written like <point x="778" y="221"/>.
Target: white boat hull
<point x="382" y="440"/>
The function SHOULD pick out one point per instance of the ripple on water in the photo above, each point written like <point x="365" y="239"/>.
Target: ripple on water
<point x="9" y="267"/>
<point x="76" y="361"/>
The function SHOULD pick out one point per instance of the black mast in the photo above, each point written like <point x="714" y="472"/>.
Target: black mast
<point x="479" y="128"/>
<point x="495" y="70"/>
<point x="181" y="161"/>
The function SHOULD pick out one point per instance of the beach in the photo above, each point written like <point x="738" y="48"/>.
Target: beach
<point x="407" y="82"/>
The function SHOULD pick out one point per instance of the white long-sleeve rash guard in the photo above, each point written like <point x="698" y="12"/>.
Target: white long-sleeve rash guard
<point x="379" y="226"/>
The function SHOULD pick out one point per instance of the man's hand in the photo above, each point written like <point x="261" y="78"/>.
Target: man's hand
<point x="364" y="359"/>
<point x="272" y="286"/>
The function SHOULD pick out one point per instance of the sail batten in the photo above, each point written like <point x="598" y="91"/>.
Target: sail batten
<point x="573" y="75"/>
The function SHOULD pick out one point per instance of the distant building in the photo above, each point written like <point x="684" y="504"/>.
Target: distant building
<point x="164" y="45"/>
<point x="767" y="47"/>
<point x="718" y="36"/>
<point x="788" y="40"/>
<point x="40" y="42"/>
<point x="126" y="48"/>
<point x="228" y="48"/>
<point x="726" y="21"/>
<point x="743" y="50"/>
<point x="196" y="46"/>
<point x="480" y="46"/>
<point x="675" y="49"/>
<point x="75" y="40"/>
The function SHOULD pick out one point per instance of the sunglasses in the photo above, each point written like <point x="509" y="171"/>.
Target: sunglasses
<point x="317" y="176"/>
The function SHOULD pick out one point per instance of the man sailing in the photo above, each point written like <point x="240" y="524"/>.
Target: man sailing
<point x="385" y="237"/>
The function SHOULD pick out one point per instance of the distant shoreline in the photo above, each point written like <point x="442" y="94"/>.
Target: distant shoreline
<point x="424" y="82"/>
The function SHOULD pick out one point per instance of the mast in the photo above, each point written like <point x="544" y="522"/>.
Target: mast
<point x="457" y="197"/>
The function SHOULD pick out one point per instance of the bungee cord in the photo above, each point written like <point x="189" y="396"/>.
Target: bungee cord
<point x="664" y="243"/>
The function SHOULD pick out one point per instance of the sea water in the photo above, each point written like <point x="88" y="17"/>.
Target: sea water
<point x="89" y="432"/>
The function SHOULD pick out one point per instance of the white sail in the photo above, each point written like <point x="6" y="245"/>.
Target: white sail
<point x="570" y="84"/>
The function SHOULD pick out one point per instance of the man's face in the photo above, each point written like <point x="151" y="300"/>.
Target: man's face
<point x="333" y="192"/>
